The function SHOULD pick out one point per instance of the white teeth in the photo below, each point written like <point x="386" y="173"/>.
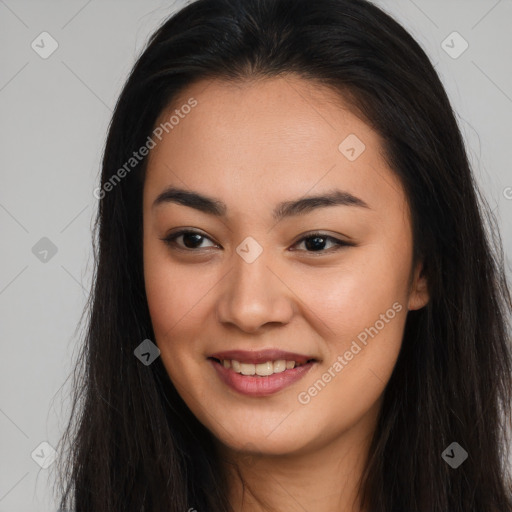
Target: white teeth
<point x="261" y="369"/>
<point x="247" y="369"/>
<point x="264" y="369"/>
<point x="279" y="366"/>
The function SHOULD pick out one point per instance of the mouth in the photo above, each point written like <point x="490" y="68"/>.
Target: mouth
<point x="261" y="373"/>
<point x="260" y="369"/>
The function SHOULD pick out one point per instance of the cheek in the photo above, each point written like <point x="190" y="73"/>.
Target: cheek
<point x="174" y="291"/>
<point x="363" y="303"/>
<point x="174" y="305"/>
<point x="351" y="295"/>
<point x="354" y="375"/>
<point x="175" y="297"/>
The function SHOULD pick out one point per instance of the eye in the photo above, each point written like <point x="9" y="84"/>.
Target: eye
<point x="191" y="239"/>
<point x="314" y="242"/>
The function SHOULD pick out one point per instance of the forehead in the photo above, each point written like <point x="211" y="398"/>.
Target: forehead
<point x="268" y="139"/>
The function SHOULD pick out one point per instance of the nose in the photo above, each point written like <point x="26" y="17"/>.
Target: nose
<point x="253" y="295"/>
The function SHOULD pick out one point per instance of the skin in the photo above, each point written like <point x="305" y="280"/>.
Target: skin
<point x="252" y="145"/>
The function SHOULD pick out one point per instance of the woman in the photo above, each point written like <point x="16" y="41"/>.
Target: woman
<point x="234" y="361"/>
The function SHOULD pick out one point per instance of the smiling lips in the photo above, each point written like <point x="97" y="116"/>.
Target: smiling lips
<point x="260" y="373"/>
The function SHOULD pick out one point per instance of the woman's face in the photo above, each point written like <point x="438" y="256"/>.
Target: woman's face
<point x="251" y="281"/>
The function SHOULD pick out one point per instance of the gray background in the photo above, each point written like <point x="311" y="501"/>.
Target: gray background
<point x="54" y="116"/>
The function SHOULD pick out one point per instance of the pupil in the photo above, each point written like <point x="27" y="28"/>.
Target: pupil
<point x="315" y="245"/>
<point x="191" y="235"/>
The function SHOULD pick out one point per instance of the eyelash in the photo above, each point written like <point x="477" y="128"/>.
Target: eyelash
<point x="171" y="241"/>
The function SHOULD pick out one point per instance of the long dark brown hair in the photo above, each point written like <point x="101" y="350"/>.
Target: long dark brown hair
<point x="132" y="444"/>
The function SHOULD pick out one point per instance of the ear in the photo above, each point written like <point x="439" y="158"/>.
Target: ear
<point x="419" y="294"/>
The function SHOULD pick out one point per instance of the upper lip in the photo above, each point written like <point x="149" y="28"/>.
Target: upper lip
<point x="261" y="356"/>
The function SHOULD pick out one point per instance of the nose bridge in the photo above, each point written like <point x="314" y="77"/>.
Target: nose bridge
<point x="253" y="295"/>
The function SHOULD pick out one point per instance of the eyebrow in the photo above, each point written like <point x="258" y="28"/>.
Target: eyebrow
<point x="302" y="206"/>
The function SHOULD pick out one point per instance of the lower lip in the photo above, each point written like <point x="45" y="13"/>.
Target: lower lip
<point x="254" y="385"/>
